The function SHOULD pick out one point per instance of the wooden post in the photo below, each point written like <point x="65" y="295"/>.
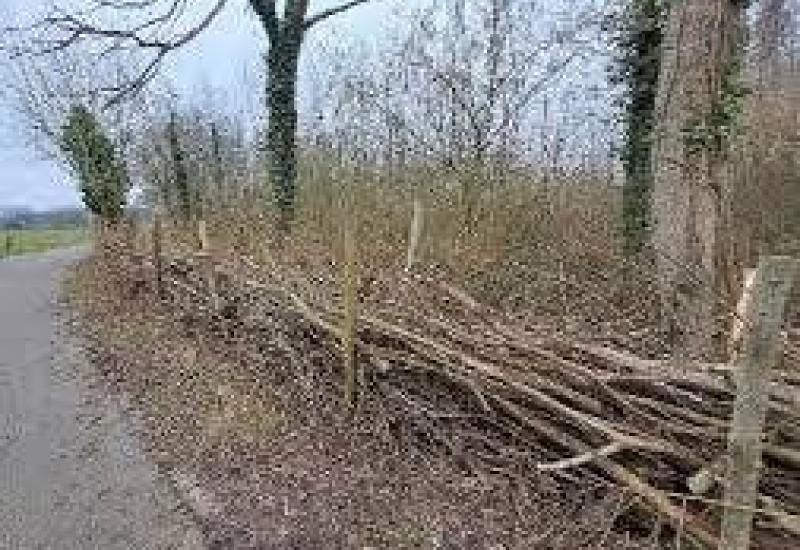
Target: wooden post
<point x="157" y="254"/>
<point x="742" y="307"/>
<point x="202" y="235"/>
<point x="415" y="233"/>
<point x="207" y="265"/>
<point x="762" y="349"/>
<point x="349" y="317"/>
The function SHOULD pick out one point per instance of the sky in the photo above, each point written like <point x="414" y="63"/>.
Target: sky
<point x="226" y="52"/>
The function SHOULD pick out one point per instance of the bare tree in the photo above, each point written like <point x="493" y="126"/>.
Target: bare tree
<point x="188" y="158"/>
<point x="457" y="87"/>
<point x="55" y="113"/>
<point x="40" y="92"/>
<point x="767" y="203"/>
<point x="152" y="32"/>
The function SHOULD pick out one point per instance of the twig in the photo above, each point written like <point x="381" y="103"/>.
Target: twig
<point x="582" y="459"/>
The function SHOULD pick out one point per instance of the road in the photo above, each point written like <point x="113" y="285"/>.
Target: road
<point x="71" y="474"/>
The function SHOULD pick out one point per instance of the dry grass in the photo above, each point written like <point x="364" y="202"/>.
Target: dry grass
<point x="291" y="471"/>
<point x="250" y="406"/>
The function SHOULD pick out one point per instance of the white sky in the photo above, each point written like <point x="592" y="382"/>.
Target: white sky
<point x="229" y="51"/>
<point x="227" y="54"/>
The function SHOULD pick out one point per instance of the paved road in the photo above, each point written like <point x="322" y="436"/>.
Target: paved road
<point x="71" y="475"/>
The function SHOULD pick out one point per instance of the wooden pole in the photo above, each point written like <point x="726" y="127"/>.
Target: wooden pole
<point x="415" y="233"/>
<point x="202" y="235"/>
<point x="9" y="242"/>
<point x="207" y="265"/>
<point x="742" y="308"/>
<point x="762" y="350"/>
<point x="349" y="317"/>
<point x="157" y="254"/>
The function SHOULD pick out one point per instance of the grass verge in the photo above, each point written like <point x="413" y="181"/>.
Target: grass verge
<point x="15" y="242"/>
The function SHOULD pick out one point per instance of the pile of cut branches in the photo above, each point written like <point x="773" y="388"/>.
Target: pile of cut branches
<point x="471" y="380"/>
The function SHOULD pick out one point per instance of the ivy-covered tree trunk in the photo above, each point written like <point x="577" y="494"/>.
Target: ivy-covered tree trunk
<point x="180" y="176"/>
<point x="696" y="111"/>
<point x="282" y="63"/>
<point x="218" y="173"/>
<point x="286" y="34"/>
<point x="637" y="68"/>
<point x="101" y="173"/>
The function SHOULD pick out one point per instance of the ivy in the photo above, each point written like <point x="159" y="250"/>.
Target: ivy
<point x="723" y="121"/>
<point x="638" y="35"/>
<point x="101" y="174"/>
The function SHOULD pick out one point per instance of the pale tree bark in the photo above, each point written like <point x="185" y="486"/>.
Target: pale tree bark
<point x="763" y="350"/>
<point x="691" y="195"/>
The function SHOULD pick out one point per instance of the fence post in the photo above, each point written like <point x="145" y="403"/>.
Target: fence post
<point x="157" y="254"/>
<point x="207" y="265"/>
<point x="742" y="306"/>
<point x="415" y="232"/>
<point x="349" y="316"/>
<point x="202" y="235"/>
<point x="761" y="351"/>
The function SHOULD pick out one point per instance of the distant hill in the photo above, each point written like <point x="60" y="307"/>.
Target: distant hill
<point x="7" y="212"/>
<point x="22" y="217"/>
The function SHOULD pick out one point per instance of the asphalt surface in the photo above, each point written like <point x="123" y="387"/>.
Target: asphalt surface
<point x="71" y="473"/>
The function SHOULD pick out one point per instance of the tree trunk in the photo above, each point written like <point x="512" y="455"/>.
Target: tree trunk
<point x="219" y="185"/>
<point x="281" y="97"/>
<point x="691" y="194"/>
<point x="762" y="352"/>
<point x="180" y="176"/>
<point x="639" y="70"/>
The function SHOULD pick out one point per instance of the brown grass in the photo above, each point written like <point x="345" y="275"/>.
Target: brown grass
<point x="290" y="470"/>
<point x="265" y="429"/>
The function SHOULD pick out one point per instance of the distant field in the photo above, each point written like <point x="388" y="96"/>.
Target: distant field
<point x="26" y="241"/>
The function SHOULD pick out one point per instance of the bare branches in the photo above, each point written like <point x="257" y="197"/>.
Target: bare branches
<point x="155" y="37"/>
<point x="294" y="18"/>
<point x="38" y="93"/>
<point x="426" y="342"/>
<point x="313" y="20"/>
<point x="125" y="5"/>
<point x="66" y="31"/>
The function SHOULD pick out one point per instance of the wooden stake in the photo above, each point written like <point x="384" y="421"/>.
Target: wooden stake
<point x="415" y="233"/>
<point x="762" y="349"/>
<point x="349" y="318"/>
<point x="207" y="263"/>
<point x="742" y="307"/>
<point x="202" y="235"/>
<point x="157" y="254"/>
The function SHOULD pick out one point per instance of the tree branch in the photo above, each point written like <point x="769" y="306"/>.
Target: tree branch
<point x="265" y="10"/>
<point x="72" y="30"/>
<point x="295" y="13"/>
<point x="313" y="20"/>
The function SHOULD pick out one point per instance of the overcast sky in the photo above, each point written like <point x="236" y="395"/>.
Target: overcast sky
<point x="227" y="53"/>
<point x="229" y="49"/>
